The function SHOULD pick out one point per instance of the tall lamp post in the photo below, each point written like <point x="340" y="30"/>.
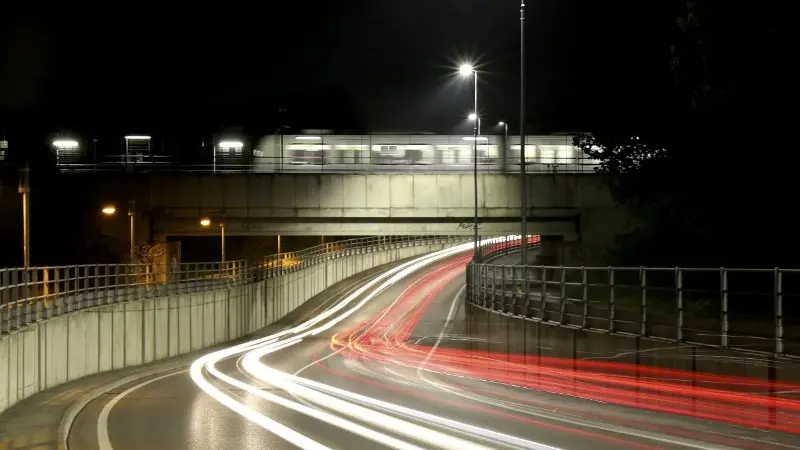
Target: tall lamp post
<point x="111" y="210"/>
<point x="466" y="70"/>
<point x="523" y="204"/>
<point x="505" y="144"/>
<point x="206" y="223"/>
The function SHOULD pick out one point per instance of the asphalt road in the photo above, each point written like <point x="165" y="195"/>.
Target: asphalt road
<point x="401" y="371"/>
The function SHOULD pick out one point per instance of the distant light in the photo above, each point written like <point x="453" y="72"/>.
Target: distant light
<point x="205" y="222"/>
<point x="137" y="138"/>
<point x="231" y="144"/>
<point x="472" y="117"/>
<point x="109" y="210"/>
<point x="466" y="69"/>
<point x="68" y="143"/>
<point x="501" y="123"/>
<point x="308" y="138"/>
<point x="470" y="138"/>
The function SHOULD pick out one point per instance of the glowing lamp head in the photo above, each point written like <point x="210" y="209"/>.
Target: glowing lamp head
<point x="472" y="117"/>
<point x="205" y="222"/>
<point x="465" y="70"/>
<point x="109" y="210"/>
<point x="501" y="124"/>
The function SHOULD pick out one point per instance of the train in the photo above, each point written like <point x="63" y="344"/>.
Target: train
<point x="309" y="151"/>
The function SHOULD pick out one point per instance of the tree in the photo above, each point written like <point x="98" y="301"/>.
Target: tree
<point x="701" y="193"/>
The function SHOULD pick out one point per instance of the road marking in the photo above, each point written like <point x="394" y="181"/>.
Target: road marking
<point x="103" y="441"/>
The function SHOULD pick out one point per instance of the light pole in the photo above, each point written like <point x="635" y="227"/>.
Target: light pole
<point x="466" y="70"/>
<point x="111" y="210"/>
<point x="205" y="223"/>
<point x="523" y="204"/>
<point x="25" y="190"/>
<point x="505" y="144"/>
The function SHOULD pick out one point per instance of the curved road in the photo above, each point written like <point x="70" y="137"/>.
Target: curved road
<point x="388" y="361"/>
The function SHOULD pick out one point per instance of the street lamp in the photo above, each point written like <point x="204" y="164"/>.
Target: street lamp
<point x="466" y="70"/>
<point x="205" y="222"/>
<point x="523" y="204"/>
<point x="111" y="210"/>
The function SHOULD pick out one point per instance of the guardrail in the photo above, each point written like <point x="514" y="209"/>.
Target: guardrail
<point x="37" y="293"/>
<point x="743" y="309"/>
<point x="279" y="264"/>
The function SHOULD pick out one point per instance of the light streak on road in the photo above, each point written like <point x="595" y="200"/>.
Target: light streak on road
<point x="385" y="339"/>
<point x="260" y="347"/>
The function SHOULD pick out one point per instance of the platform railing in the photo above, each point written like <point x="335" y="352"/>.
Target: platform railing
<point x="744" y="309"/>
<point x="293" y="165"/>
<point x="38" y="293"/>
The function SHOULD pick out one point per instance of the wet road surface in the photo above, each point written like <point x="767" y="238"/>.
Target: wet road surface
<point x="412" y="367"/>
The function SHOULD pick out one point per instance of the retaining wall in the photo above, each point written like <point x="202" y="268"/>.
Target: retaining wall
<point x="64" y="348"/>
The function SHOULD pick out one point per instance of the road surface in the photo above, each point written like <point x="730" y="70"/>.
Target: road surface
<point x="402" y="369"/>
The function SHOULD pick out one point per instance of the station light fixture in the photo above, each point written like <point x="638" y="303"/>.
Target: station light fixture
<point x="471" y="138"/>
<point x="137" y="137"/>
<point x="235" y="145"/>
<point x="308" y="138"/>
<point x="205" y="222"/>
<point x="109" y="210"/>
<point x="65" y="144"/>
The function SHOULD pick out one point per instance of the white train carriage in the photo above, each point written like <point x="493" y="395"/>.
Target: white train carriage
<point x="331" y="152"/>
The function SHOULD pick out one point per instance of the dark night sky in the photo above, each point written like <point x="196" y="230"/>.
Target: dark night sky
<point x="589" y="61"/>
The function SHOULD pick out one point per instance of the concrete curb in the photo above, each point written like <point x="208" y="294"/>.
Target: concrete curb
<point x="65" y="425"/>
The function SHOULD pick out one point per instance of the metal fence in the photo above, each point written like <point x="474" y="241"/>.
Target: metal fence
<point x="279" y="264"/>
<point x="37" y="293"/>
<point x="744" y="309"/>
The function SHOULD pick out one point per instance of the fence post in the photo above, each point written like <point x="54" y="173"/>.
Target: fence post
<point x="643" y="280"/>
<point x="679" y="299"/>
<point x="563" y="282"/>
<point x="543" y="296"/>
<point x="494" y="284"/>
<point x="585" y="286"/>
<point x="612" y="309"/>
<point x="723" y="284"/>
<point x="778" y="311"/>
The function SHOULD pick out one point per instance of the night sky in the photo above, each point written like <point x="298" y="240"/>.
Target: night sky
<point x="372" y="65"/>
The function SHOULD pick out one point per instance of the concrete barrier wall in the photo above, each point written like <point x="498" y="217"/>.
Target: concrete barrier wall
<point x="64" y="348"/>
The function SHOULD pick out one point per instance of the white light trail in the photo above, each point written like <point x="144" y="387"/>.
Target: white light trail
<point x="313" y="391"/>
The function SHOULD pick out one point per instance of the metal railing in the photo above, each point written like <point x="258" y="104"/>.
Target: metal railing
<point x="38" y="293"/>
<point x="743" y="309"/>
<point x="275" y="265"/>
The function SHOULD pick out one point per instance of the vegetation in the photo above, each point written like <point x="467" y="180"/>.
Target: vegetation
<point x="713" y="183"/>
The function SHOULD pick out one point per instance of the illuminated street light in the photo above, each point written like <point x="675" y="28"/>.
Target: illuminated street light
<point x="472" y="117"/>
<point x="109" y="210"/>
<point x="467" y="70"/>
<point x="205" y="222"/>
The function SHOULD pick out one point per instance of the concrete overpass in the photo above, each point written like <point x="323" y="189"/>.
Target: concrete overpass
<point x="575" y="208"/>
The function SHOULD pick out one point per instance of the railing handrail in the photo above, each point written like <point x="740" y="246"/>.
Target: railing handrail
<point x="35" y="293"/>
<point x="638" y="301"/>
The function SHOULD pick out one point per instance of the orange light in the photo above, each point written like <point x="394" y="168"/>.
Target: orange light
<point x="205" y="222"/>
<point x="109" y="210"/>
